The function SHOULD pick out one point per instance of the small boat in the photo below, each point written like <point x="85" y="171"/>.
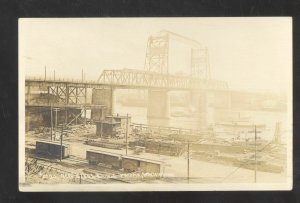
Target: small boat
<point x="239" y="124"/>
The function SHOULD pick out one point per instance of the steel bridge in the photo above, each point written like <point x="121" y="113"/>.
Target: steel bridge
<point x="131" y="79"/>
<point x="73" y="94"/>
<point x="155" y="78"/>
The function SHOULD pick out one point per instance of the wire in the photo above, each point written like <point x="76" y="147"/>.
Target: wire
<point x="243" y="164"/>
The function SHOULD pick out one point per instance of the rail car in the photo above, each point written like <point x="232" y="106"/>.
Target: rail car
<point x="110" y="159"/>
<point x="128" y="163"/>
<point x="52" y="149"/>
<point x="132" y="164"/>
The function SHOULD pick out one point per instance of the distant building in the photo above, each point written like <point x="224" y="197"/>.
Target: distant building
<point x="113" y="126"/>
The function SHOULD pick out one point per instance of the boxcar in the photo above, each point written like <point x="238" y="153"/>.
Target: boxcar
<point x="52" y="149"/>
<point x="110" y="159"/>
<point x="130" y="163"/>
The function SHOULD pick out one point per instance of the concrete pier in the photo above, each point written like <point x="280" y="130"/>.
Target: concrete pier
<point x="106" y="97"/>
<point x="158" y="104"/>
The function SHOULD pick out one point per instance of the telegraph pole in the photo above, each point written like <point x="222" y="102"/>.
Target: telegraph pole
<point x="82" y="75"/>
<point x="255" y="151"/>
<point x="255" y="154"/>
<point x="55" y="129"/>
<point x="45" y="73"/>
<point x="126" y="133"/>
<point x="61" y="140"/>
<point x="102" y="120"/>
<point x="51" y="123"/>
<point x="188" y="162"/>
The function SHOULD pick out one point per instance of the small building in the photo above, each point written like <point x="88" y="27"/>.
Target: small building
<point x="123" y="122"/>
<point x="108" y="128"/>
<point x="52" y="149"/>
<point x="113" y="126"/>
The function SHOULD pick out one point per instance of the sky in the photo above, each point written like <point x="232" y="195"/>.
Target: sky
<point x="248" y="53"/>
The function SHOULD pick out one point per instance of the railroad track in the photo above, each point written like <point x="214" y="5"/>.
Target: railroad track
<point x="100" y="174"/>
<point x="79" y="168"/>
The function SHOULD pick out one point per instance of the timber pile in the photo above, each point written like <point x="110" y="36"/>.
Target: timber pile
<point x="184" y="138"/>
<point x="160" y="147"/>
<point x="108" y="145"/>
<point x="238" y="161"/>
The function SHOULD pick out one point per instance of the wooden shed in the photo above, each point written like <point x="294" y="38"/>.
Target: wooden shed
<point x="130" y="163"/>
<point x="106" y="158"/>
<point x="52" y="149"/>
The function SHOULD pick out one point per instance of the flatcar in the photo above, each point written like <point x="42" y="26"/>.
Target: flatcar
<point x="52" y="149"/>
<point x="109" y="159"/>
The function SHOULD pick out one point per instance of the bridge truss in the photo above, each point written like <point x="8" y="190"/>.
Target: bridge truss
<point x="157" y="55"/>
<point x="128" y="78"/>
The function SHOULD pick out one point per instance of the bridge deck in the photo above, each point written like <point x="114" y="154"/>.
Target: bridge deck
<point x="133" y="79"/>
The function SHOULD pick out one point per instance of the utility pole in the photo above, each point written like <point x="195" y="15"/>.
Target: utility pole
<point x="51" y="123"/>
<point x="82" y="75"/>
<point x="61" y="140"/>
<point x="45" y="73"/>
<point x="55" y="129"/>
<point x="101" y="132"/>
<point x="85" y="102"/>
<point x="66" y="116"/>
<point x="126" y="133"/>
<point x="255" y="151"/>
<point x="255" y="154"/>
<point x="188" y="162"/>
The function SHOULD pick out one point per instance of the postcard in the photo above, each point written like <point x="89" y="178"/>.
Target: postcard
<point x="155" y="104"/>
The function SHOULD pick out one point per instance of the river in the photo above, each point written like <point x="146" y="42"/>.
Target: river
<point x="139" y="115"/>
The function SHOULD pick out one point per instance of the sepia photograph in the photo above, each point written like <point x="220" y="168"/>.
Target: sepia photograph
<point x="155" y="104"/>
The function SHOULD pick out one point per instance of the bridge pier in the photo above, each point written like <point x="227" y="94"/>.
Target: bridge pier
<point x="200" y="100"/>
<point x="106" y="97"/>
<point x="203" y="102"/>
<point x="195" y="100"/>
<point x="212" y="106"/>
<point x="158" y="104"/>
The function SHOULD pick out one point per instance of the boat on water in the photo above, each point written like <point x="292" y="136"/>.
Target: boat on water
<point x="239" y="124"/>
